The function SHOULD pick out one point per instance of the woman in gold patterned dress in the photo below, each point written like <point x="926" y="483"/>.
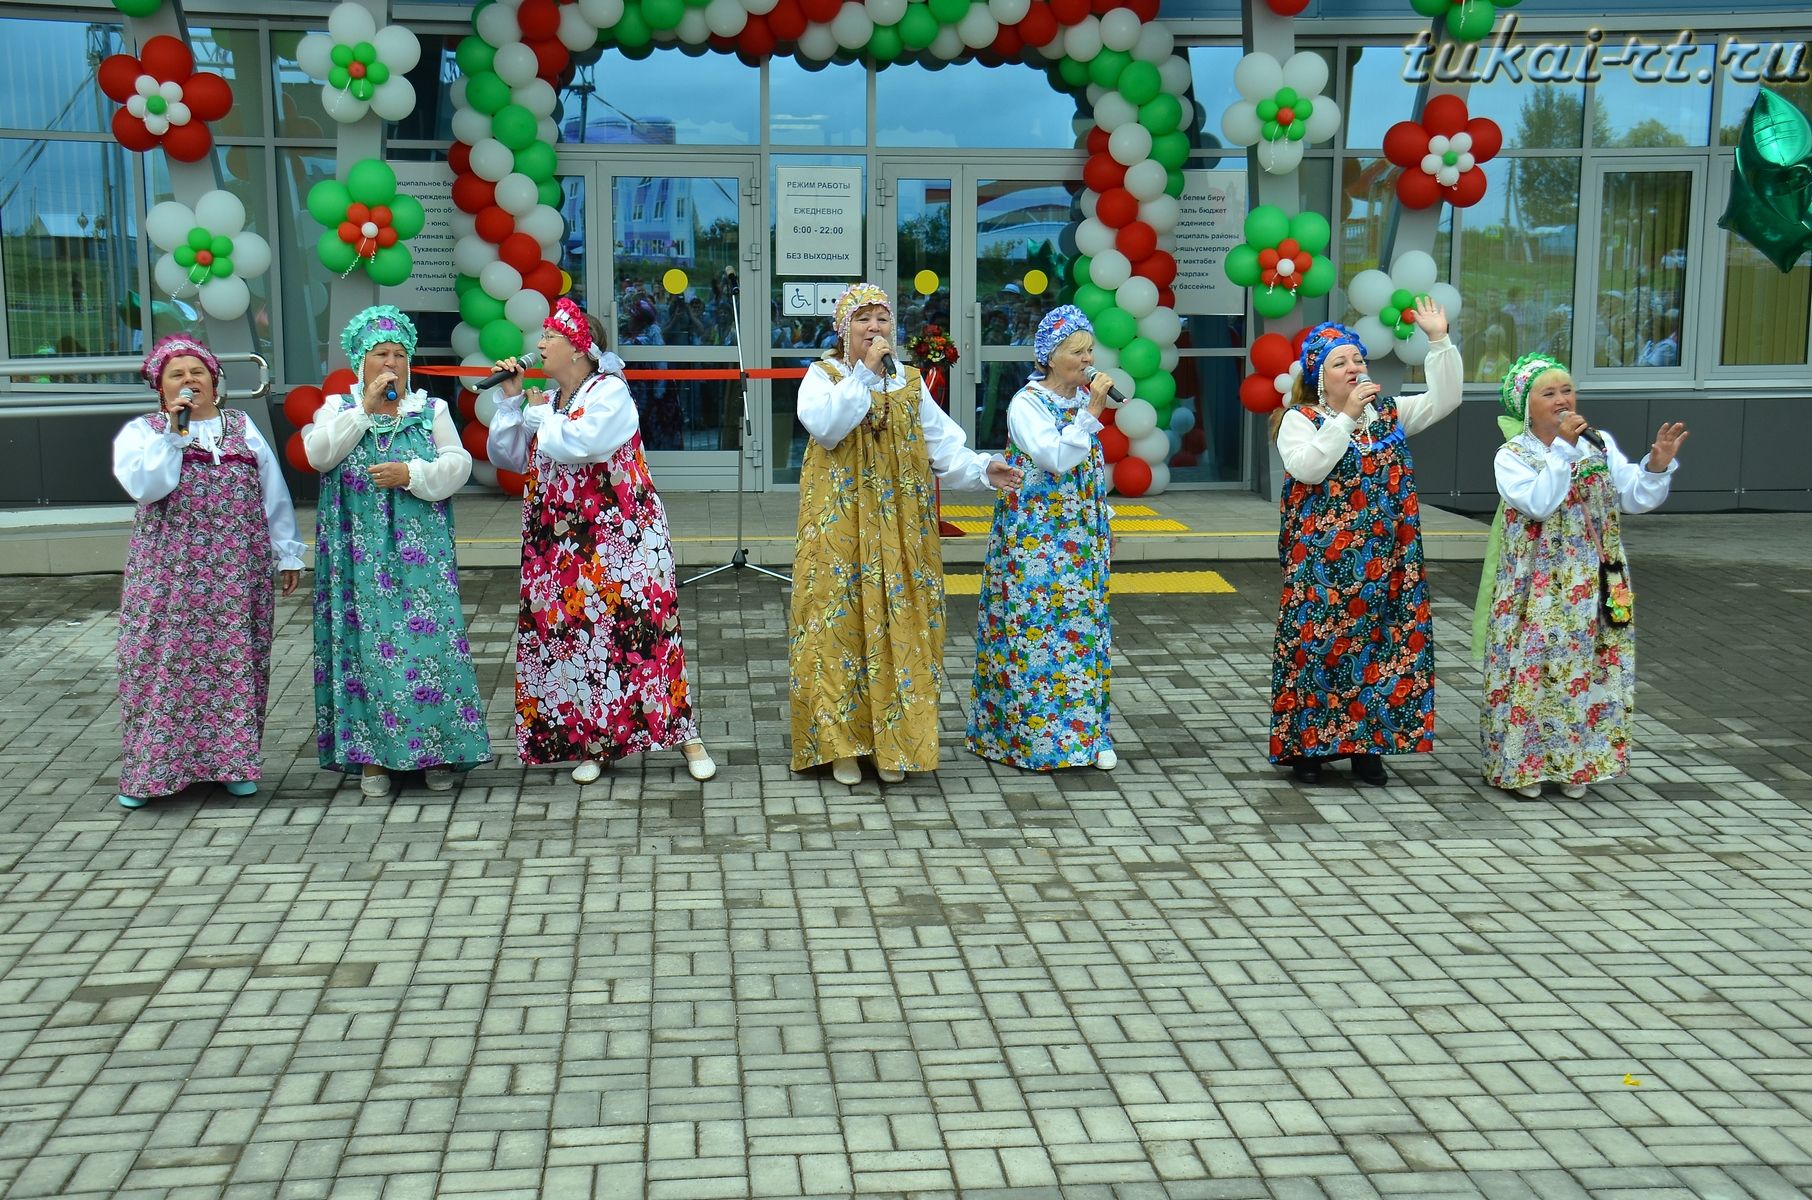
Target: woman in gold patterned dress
<point x="867" y="647"/>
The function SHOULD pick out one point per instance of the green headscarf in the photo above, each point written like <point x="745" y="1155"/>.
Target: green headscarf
<point x="1513" y="394"/>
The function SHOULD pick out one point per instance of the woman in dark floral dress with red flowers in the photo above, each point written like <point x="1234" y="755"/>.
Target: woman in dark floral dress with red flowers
<point x="1353" y="671"/>
<point x="600" y="664"/>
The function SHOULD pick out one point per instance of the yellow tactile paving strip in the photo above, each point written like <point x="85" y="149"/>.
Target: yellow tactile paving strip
<point x="1127" y="583"/>
<point x="953" y="511"/>
<point x="1132" y="525"/>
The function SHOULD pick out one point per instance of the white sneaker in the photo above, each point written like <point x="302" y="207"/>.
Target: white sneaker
<point x="1107" y="760"/>
<point x="1574" y="791"/>
<point x="889" y="775"/>
<point x="438" y="779"/>
<point x="376" y="786"/>
<point x="587" y="771"/>
<point x="846" y="771"/>
<point x="1529" y="791"/>
<point x="699" y="764"/>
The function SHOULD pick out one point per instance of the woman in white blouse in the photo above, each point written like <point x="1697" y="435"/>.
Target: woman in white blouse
<point x="214" y="522"/>
<point x="866" y="650"/>
<point x="1352" y="673"/>
<point x="394" y="686"/>
<point x="600" y="661"/>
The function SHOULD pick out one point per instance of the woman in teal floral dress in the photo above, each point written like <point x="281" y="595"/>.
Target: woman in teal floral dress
<point x="394" y="686"/>
<point x="1039" y="697"/>
<point x="1555" y="608"/>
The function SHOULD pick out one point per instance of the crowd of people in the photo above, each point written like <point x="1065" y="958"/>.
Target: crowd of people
<point x="600" y="657"/>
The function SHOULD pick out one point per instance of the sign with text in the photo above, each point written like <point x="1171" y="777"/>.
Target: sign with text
<point x="1212" y="222"/>
<point x="429" y="287"/>
<point x="818" y="221"/>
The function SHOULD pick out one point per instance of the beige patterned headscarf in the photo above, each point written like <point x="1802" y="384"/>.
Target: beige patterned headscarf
<point x="857" y="296"/>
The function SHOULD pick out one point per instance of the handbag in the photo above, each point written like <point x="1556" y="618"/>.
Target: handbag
<point x="1615" y="598"/>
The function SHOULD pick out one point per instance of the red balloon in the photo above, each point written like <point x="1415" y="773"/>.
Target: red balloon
<point x="1417" y="188"/>
<point x="551" y="57"/>
<point x="493" y="224"/>
<point x="188" y="143"/>
<point x="723" y="45"/>
<point x="1167" y="298"/>
<point x="118" y="76"/>
<point x="543" y="278"/>
<point x="1103" y="174"/>
<point x="1117" y="208"/>
<point x="1136" y="240"/>
<point x="473" y="193"/>
<point x="301" y="404"/>
<point x="1287" y="8"/>
<point x="1069" y="12"/>
<point x="1444" y="114"/>
<point x="520" y="251"/>
<point x="1289" y="248"/>
<point x="473" y="437"/>
<point x="1196" y="440"/>
<point x="1147" y="10"/>
<point x="467" y="403"/>
<point x="1184" y="458"/>
<point x="511" y="483"/>
<point x="787" y="20"/>
<point x="1008" y="44"/>
<point x="1107" y="415"/>
<point x="386" y="237"/>
<point x="1114" y="444"/>
<point x="1298" y="339"/>
<point x="130" y="132"/>
<point x="1096" y="142"/>
<point x="1267" y="258"/>
<point x="295" y="455"/>
<point x="1487" y="138"/>
<point x="1271" y="354"/>
<point x="1037" y="27"/>
<point x="1469" y="190"/>
<point x="821" y="11"/>
<point x="1258" y="394"/>
<point x="1132" y="476"/>
<point x="207" y="96"/>
<point x="339" y="383"/>
<point x="538" y="19"/>
<point x="1103" y="7"/>
<point x="459" y="157"/>
<point x="167" y="59"/>
<point x="1159" y="267"/>
<point x="1302" y="263"/>
<point x="1405" y="143"/>
<point x="756" y="40"/>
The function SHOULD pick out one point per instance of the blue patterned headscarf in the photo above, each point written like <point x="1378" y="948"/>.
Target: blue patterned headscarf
<point x="1322" y="341"/>
<point x="1059" y="324"/>
<point x="376" y="325"/>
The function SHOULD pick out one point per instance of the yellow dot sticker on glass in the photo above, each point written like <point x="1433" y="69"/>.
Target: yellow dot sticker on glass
<point x="674" y="281"/>
<point x="1036" y="282"/>
<point x="925" y="282"/>
<point x="566" y="283"/>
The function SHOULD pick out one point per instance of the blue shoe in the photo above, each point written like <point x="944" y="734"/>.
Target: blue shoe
<point x="126" y="801"/>
<point x="241" y="787"/>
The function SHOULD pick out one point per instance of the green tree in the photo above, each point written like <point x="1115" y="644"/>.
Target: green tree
<point x="1547" y="189"/>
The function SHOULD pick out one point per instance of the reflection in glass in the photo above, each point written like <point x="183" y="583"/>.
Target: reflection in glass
<point x="244" y="178"/>
<point x="816" y="106"/>
<point x="1532" y="115"/>
<point x="971" y="104"/>
<point x="922" y="245"/>
<point x="1642" y="232"/>
<point x="1517" y="252"/>
<point x="1000" y="380"/>
<point x="1739" y="96"/>
<point x="1212" y="93"/>
<point x="433" y="76"/>
<point x="1369" y="209"/>
<point x="798" y="332"/>
<point x="1630" y="112"/>
<point x="306" y="344"/>
<point x="1765" y="312"/>
<point x="661" y="99"/>
<point x="233" y="54"/>
<point x="49" y="70"/>
<point x="1019" y="263"/>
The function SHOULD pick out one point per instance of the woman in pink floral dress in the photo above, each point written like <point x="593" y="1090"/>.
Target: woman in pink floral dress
<point x="600" y="664"/>
<point x="214" y="523"/>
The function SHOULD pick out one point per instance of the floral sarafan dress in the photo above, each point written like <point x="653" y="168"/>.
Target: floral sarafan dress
<point x="1560" y="679"/>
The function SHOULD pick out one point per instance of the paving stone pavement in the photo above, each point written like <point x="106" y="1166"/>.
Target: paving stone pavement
<point x="1185" y="979"/>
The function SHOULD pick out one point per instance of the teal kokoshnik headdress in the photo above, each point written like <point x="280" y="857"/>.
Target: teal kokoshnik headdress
<point x="376" y="325"/>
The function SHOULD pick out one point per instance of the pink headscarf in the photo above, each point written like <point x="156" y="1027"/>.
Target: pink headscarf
<point x="178" y="345"/>
<point x="568" y="320"/>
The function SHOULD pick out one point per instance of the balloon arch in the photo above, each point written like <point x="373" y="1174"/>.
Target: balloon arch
<point x="1114" y="53"/>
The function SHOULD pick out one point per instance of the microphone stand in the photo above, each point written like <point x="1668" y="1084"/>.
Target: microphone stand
<point x="739" y="561"/>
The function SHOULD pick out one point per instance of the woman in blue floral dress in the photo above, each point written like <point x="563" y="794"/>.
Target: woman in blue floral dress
<point x="394" y="686"/>
<point x="1352" y="674"/>
<point x="1039" y="697"/>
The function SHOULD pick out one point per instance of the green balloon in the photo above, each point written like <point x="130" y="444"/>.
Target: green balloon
<point x="1272" y="131"/>
<point x="631" y="29"/>
<point x="1115" y="327"/>
<point x="364" y="52"/>
<point x="1267" y="110"/>
<point x="1141" y="84"/>
<point x="948" y="12"/>
<point x="1272" y="302"/>
<point x="184" y="255"/>
<point x="639" y="51"/>
<point x="1173" y="182"/>
<point x="538" y="161"/>
<point x="500" y="339"/>
<point x="378" y="73"/>
<point x="1390" y="314"/>
<point x="463" y="284"/>
<point x="1092" y="300"/>
<point x="1471" y="20"/>
<point x="334" y="254"/>
<point x="1266" y="226"/>
<point x="199" y="238"/>
<point x="361" y="89"/>
<point x="1401" y="298"/>
<point x="1163" y="410"/>
<point x="138" y="8"/>
<point x="884" y="45"/>
<point x="1079" y="267"/>
<point x="1106" y="66"/>
<point x="478" y="308"/>
<point x="338" y="79"/>
<point x="1171" y="149"/>
<point x="407" y="216"/>
<point x="475" y="55"/>
<point x="1242" y="266"/>
<point x="1161" y="114"/>
<point x="371" y="182"/>
<point x="918" y="28"/>
<point x="340" y="56"/>
<point x="1304" y="109"/>
<point x="487" y="92"/>
<point x="389" y="266"/>
<point x="221" y="246"/>
<point x="1139" y="357"/>
<point x="328" y="201"/>
<point x="221" y="266"/>
<point x="514" y="126"/>
<point x="1319" y="279"/>
<point x="1160" y="387"/>
<point x="1074" y="73"/>
<point x="663" y="14"/>
<point x="1405" y="331"/>
<point x="1286" y="97"/>
<point x="549" y="193"/>
<point x="1431" y="8"/>
<point x="1310" y="229"/>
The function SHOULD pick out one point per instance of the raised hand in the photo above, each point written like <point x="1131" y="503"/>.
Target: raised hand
<point x="1667" y="444"/>
<point x="1431" y="318"/>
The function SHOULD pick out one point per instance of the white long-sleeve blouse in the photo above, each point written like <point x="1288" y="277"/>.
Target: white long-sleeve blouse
<point x="1537" y="492"/>
<point x="148" y="465"/>
<point x="1309" y="453"/>
<point x="342" y="421"/>
<point x="829" y="411"/>
<point x="600" y="418"/>
<point x="1054" y="447"/>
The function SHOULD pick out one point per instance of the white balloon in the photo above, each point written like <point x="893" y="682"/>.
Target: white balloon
<point x="226" y="298"/>
<point x="1174" y="73"/>
<point x="485" y="410"/>
<point x="1120" y="29"/>
<point x="1112" y="111"/>
<point x="1088" y="200"/>
<point x="693" y="29"/>
<point x="978" y="28"/>
<point x="342" y="106"/>
<point x="252" y="255"/>
<point x="816" y="43"/>
<point x="1094" y="92"/>
<point x="546" y="131"/>
<point x="1107" y="359"/>
<point x="351" y="23"/>
<point x="1444" y="294"/>
<point x="314" y="54"/>
<point x="1182" y="419"/>
<point x="1372" y="332"/>
<point x="760" y="8"/>
<point x="171" y="278"/>
<point x="397" y="48"/>
<point x="500" y="280"/>
<point x="1123" y="379"/>
<point x="576" y="32"/>
<point x="169" y="224"/>
<point x="885" y="12"/>
<point x="538" y="95"/>
<point x="603" y="14"/>
<point x="1323" y="120"/>
<point x="1009" y="12"/>
<point x="515" y="64"/>
<point x="1161" y="213"/>
<point x="464" y="223"/>
<point x="472" y="255"/>
<point x="464" y="339"/>
<point x="1155" y="43"/>
<point x="1415" y="270"/>
<point x="484" y="473"/>
<point x="470" y="126"/>
<point x="526" y="310"/>
<point x="1153" y="447"/>
<point x="1136" y="418"/>
<point x="1161" y="325"/>
<point x="517" y="194"/>
<point x="948" y="44"/>
<point x="1168" y="358"/>
<point x="1109" y="269"/>
<point x="456" y="91"/>
<point x="1092" y="237"/>
<point x="1137" y="296"/>
<point x="1145" y="178"/>
<point x="1082" y="41"/>
<point x="1241" y="124"/>
<point x="393" y="99"/>
<point x="1129" y="144"/>
<point x="1160" y="479"/>
<point x="1279" y="157"/>
<point x="852" y="27"/>
<point x="496" y="25"/>
<point x="544" y="224"/>
<point x="478" y="358"/>
<point x="1369" y="291"/>
<point x="1258" y="76"/>
<point x="1284" y="382"/>
<point x="1307" y="72"/>
<point x="491" y="159"/>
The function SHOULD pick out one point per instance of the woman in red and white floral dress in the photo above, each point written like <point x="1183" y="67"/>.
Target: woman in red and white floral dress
<point x="600" y="664"/>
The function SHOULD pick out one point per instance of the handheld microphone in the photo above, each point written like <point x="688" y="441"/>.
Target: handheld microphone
<point x="390" y="393"/>
<point x="1593" y="436"/>
<point x="497" y="377"/>
<point x="182" y="414"/>
<point x="1114" y="398"/>
<point x="887" y="365"/>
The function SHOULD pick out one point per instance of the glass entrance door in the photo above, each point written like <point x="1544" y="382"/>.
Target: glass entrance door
<point x="657" y="248"/>
<point x="1638" y="288"/>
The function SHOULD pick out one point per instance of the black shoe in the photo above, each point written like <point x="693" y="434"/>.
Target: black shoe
<point x="1369" y="768"/>
<point x="1306" y="770"/>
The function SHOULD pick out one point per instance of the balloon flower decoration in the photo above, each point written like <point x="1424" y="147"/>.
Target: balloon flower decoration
<point x="167" y="101"/>
<point x="300" y="406"/>
<point x="1276" y="367"/>
<point x="210" y="252"/>
<point x="1387" y="304"/>
<point x="1467" y="20"/>
<point x="1286" y="8"/>
<point x="1282" y="109"/>
<point x="1771" y="183"/>
<point x="1281" y="260"/>
<point x="1441" y="153"/>
<point x="138" y="8"/>
<point x="367" y="222"/>
<point x="361" y="67"/>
